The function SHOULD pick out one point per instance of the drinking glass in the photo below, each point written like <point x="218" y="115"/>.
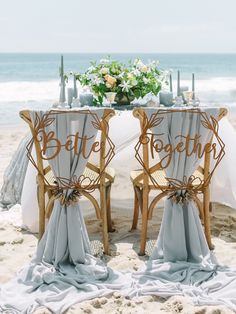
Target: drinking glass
<point x="188" y="97"/>
<point x="110" y="96"/>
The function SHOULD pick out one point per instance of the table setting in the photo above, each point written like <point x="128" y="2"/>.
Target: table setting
<point x="110" y="83"/>
<point x="63" y="271"/>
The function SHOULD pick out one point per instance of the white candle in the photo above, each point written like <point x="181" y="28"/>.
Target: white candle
<point x="75" y="88"/>
<point x="62" y="97"/>
<point x="62" y="64"/>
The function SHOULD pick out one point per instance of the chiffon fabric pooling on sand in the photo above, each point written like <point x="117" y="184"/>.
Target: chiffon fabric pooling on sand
<point x="64" y="272"/>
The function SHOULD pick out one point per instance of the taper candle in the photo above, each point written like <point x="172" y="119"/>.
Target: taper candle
<point x="62" y="65"/>
<point x="75" y="88"/>
<point x="178" y="83"/>
<point x="193" y="85"/>
<point x="62" y="97"/>
<point x="171" y="87"/>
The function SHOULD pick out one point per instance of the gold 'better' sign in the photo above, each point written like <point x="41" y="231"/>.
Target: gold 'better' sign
<point x="78" y="145"/>
<point x="74" y="140"/>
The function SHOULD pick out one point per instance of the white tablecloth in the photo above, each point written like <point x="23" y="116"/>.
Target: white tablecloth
<point x="124" y="131"/>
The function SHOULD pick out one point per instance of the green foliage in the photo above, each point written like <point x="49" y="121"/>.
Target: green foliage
<point x="135" y="80"/>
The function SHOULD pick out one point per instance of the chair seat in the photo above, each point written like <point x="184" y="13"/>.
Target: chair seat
<point x="160" y="177"/>
<point x="88" y="173"/>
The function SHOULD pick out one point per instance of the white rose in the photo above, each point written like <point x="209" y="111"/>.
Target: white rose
<point x="144" y="69"/>
<point x="134" y="82"/>
<point x="104" y="71"/>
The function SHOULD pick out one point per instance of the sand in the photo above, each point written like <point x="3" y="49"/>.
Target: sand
<point x="17" y="247"/>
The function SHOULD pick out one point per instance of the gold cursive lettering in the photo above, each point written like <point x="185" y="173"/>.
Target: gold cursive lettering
<point x="51" y="146"/>
<point x="189" y="145"/>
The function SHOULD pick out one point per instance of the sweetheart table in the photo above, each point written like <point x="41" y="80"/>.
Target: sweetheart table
<point x="124" y="132"/>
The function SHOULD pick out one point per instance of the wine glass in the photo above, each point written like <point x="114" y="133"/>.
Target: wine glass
<point x="110" y="96"/>
<point x="188" y="97"/>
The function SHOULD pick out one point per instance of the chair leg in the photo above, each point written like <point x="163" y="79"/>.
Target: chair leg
<point x="50" y="203"/>
<point x="108" y="199"/>
<point x="206" y="202"/>
<point x="136" y="208"/>
<point x="144" y="221"/>
<point x="41" y="203"/>
<point x="104" y="219"/>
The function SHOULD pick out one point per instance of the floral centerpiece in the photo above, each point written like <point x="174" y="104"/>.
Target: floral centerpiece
<point x="127" y="82"/>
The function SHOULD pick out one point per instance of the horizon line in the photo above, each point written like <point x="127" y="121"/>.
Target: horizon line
<point x="107" y="53"/>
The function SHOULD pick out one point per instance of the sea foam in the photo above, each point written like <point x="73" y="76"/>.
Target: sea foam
<point x="17" y="95"/>
<point x="213" y="90"/>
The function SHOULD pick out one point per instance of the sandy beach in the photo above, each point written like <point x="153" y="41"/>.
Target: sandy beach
<point x="17" y="246"/>
<point x="175" y="61"/>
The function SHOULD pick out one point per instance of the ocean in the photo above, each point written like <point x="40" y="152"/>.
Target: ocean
<point x="31" y="80"/>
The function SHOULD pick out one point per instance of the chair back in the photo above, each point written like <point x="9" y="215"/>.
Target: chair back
<point x="66" y="140"/>
<point x="177" y="140"/>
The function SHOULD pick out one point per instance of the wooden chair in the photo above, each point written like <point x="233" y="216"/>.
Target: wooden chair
<point x="47" y="181"/>
<point x="142" y="185"/>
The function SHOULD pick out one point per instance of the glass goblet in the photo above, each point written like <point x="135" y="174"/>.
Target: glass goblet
<point x="110" y="96"/>
<point x="188" y="97"/>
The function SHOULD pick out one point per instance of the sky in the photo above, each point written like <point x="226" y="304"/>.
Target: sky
<point x="118" y="26"/>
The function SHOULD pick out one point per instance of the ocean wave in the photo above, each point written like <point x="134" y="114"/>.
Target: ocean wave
<point x="208" y="90"/>
<point x="29" y="91"/>
<point x="214" y="90"/>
